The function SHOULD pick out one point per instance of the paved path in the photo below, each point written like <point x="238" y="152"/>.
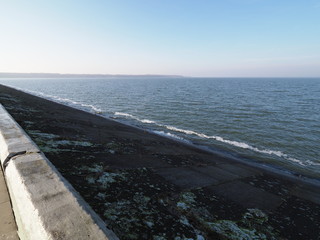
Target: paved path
<point x="8" y="228"/>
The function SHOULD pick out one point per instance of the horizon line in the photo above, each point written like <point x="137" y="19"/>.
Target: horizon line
<point x="97" y="75"/>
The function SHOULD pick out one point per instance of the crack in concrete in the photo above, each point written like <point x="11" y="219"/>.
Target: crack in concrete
<point x="12" y="155"/>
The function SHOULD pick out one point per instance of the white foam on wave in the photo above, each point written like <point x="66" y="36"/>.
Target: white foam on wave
<point x="242" y="145"/>
<point x="124" y="115"/>
<point x="148" y="121"/>
<point x="97" y="110"/>
<point x="127" y="115"/>
<point x="219" y="139"/>
<point x="313" y="163"/>
<point x="170" y="135"/>
<point x="59" y="99"/>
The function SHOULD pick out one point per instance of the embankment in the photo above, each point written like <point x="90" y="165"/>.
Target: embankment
<point x="45" y="205"/>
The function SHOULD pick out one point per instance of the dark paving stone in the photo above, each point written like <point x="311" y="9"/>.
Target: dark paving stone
<point x="270" y="184"/>
<point x="220" y="175"/>
<point x="238" y="169"/>
<point x="308" y="194"/>
<point x="301" y="221"/>
<point x="247" y="195"/>
<point x="186" y="177"/>
<point x="124" y="162"/>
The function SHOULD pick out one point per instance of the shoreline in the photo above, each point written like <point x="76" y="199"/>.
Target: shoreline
<point x="286" y="147"/>
<point x="142" y="183"/>
<point x="265" y="166"/>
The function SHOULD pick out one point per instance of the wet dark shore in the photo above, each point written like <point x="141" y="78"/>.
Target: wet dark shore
<point x="145" y="186"/>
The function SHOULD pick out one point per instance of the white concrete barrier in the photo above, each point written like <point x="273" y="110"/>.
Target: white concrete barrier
<point x="45" y="205"/>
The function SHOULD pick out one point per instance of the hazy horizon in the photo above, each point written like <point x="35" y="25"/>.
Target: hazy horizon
<point x="98" y="75"/>
<point x="233" y="38"/>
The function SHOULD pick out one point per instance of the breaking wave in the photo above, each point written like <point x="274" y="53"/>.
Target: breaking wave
<point x="216" y="138"/>
<point x="127" y="115"/>
<point x="61" y="100"/>
<point x="170" y="135"/>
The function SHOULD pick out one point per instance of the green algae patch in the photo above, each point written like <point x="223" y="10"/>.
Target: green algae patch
<point x="203" y="214"/>
<point x="127" y="147"/>
<point x="254" y="217"/>
<point x="230" y="230"/>
<point x="134" y="203"/>
<point x="49" y="142"/>
<point x="187" y="201"/>
<point x="253" y="225"/>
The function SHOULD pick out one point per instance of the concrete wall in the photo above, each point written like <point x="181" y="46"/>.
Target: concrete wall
<point x="45" y="205"/>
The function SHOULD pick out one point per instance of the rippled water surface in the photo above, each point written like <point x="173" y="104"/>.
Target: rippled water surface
<point x="274" y="121"/>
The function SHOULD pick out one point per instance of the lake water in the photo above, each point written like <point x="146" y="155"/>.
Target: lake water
<point x="271" y="121"/>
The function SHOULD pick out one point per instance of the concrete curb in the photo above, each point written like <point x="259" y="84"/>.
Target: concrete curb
<point x="45" y="205"/>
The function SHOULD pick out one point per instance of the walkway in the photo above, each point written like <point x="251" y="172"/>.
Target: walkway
<point x="8" y="228"/>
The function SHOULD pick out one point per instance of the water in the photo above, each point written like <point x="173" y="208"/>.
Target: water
<point x="271" y="121"/>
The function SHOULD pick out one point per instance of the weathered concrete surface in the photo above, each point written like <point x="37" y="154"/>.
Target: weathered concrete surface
<point x="45" y="204"/>
<point x="8" y="227"/>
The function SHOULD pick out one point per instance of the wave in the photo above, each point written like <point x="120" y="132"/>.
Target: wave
<point x="219" y="139"/>
<point x="170" y="135"/>
<point x="127" y="115"/>
<point x="97" y="110"/>
<point x="239" y="144"/>
<point x="60" y="99"/>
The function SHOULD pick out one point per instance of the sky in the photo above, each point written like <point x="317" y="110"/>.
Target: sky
<point x="203" y="38"/>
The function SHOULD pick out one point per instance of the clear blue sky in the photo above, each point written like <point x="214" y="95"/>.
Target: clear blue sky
<point x="234" y="38"/>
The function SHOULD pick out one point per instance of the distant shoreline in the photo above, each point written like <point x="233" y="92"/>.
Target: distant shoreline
<point x="72" y="75"/>
<point x="67" y="75"/>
